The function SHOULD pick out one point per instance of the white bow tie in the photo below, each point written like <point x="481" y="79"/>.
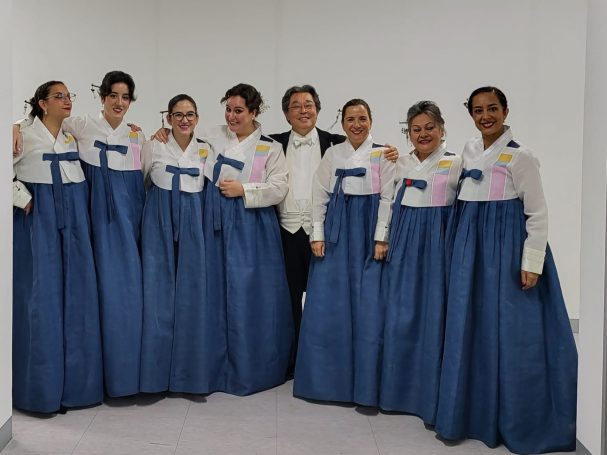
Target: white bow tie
<point x="298" y="142"/>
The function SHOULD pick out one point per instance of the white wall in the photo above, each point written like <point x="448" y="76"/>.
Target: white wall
<point x="392" y="53"/>
<point x="6" y="227"/>
<point x="594" y="186"/>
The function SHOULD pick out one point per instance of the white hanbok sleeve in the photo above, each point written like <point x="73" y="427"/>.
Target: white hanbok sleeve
<point x="528" y="185"/>
<point x="274" y="189"/>
<point x="74" y="126"/>
<point x="21" y="195"/>
<point x="321" y="194"/>
<point x="387" y="170"/>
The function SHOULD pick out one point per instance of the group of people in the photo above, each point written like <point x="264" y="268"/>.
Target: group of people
<point x="180" y="264"/>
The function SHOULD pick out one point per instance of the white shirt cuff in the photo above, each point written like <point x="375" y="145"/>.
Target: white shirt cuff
<point x="253" y="197"/>
<point x="318" y="232"/>
<point x="381" y="232"/>
<point x="533" y="260"/>
<point x="21" y="196"/>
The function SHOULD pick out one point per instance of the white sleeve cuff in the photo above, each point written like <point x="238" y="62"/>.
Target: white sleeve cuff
<point x="381" y="232"/>
<point x="252" y="196"/>
<point x="533" y="260"/>
<point x="21" y="196"/>
<point x="318" y="232"/>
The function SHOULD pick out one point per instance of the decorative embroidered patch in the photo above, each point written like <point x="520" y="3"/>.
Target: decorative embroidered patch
<point x="262" y="152"/>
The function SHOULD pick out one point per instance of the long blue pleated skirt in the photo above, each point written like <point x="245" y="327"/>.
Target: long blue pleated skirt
<point x="416" y="298"/>
<point x="174" y="349"/>
<point x="116" y="245"/>
<point x="56" y="334"/>
<point x="509" y="368"/>
<point x="250" y="323"/>
<point x="341" y="338"/>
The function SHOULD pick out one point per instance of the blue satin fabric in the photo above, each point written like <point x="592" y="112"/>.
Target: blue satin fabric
<point x="509" y="368"/>
<point x="416" y="296"/>
<point x="56" y="334"/>
<point x="105" y="172"/>
<point x="174" y="348"/>
<point x="55" y="158"/>
<point x="116" y="244"/>
<point x="341" y="337"/>
<point x="250" y="323"/>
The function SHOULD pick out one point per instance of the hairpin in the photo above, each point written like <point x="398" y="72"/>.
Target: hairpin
<point x="95" y="92"/>
<point x="336" y="120"/>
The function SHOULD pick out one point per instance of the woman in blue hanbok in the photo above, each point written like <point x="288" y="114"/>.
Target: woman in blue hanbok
<point x="174" y="347"/>
<point x="249" y="326"/>
<point x="510" y="364"/>
<point x="415" y="274"/>
<point x="340" y="345"/>
<point x="56" y="334"/>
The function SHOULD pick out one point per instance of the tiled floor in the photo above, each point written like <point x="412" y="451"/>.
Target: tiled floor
<point x="271" y="422"/>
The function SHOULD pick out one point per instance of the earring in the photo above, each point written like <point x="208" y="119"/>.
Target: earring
<point x="45" y="113"/>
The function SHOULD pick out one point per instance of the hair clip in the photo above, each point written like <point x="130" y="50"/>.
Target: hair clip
<point x="95" y="92"/>
<point x="404" y="129"/>
<point x="162" y="116"/>
<point x="27" y="103"/>
<point x="336" y="120"/>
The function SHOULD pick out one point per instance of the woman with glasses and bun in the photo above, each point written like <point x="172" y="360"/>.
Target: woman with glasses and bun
<point x="110" y="154"/>
<point x="509" y="368"/>
<point x="56" y="336"/>
<point x="174" y="274"/>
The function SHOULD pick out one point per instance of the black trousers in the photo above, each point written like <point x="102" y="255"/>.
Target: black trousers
<point x="296" y="248"/>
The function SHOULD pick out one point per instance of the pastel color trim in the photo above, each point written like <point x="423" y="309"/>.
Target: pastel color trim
<point x="439" y="188"/>
<point x="262" y="152"/>
<point x="498" y="182"/>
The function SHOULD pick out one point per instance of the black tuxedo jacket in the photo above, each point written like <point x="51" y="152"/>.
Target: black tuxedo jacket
<point x="325" y="139"/>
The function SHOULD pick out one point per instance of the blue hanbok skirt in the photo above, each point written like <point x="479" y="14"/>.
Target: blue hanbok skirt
<point x="416" y="297"/>
<point x="174" y="348"/>
<point x="116" y="245"/>
<point x="341" y="337"/>
<point x="509" y="368"/>
<point x="56" y="334"/>
<point x="250" y="323"/>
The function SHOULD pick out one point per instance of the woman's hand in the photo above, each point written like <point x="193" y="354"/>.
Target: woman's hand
<point x="162" y="135"/>
<point x="381" y="250"/>
<point x="528" y="279"/>
<point x="231" y="188"/>
<point x="28" y="208"/>
<point x="318" y="248"/>
<point x="134" y="128"/>
<point x="391" y="153"/>
<point x="17" y="140"/>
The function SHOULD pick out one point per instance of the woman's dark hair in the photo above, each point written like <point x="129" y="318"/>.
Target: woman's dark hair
<point x="250" y="94"/>
<point x="41" y="93"/>
<point x="430" y="108"/>
<point x="489" y="89"/>
<point x="286" y="98"/>
<point x="182" y="97"/>
<point x="117" y="77"/>
<point x="355" y="102"/>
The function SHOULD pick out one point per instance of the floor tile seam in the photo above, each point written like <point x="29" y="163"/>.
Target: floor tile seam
<point x="84" y="432"/>
<point x="182" y="427"/>
<point x="374" y="435"/>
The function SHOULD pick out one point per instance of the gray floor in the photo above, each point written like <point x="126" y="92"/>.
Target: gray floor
<point x="271" y="422"/>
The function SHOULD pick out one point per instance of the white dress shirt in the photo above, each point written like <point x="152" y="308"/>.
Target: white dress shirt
<point x="264" y="176"/>
<point x="303" y="157"/>
<point x="156" y="156"/>
<point x="440" y="171"/>
<point x="378" y="179"/>
<point x="510" y="171"/>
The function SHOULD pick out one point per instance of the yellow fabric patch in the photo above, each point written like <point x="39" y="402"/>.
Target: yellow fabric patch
<point x="203" y="153"/>
<point x="262" y="148"/>
<point x="445" y="164"/>
<point x="504" y="158"/>
<point x="376" y="153"/>
<point x="69" y="139"/>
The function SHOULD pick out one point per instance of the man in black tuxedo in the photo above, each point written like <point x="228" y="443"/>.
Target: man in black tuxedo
<point x="304" y="146"/>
